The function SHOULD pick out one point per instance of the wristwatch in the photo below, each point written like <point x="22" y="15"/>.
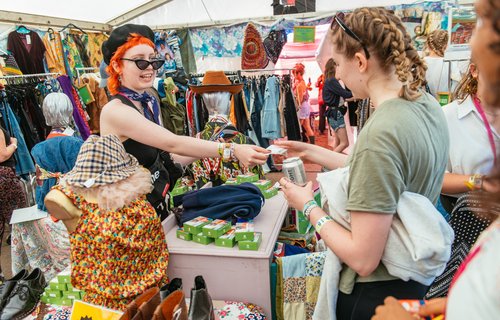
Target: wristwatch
<point x="475" y="182"/>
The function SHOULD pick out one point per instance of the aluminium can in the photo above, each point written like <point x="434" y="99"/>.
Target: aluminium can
<point x="293" y="169"/>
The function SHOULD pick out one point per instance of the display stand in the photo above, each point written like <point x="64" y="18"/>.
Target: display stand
<point x="230" y="273"/>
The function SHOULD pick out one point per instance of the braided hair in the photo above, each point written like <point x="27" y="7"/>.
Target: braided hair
<point x="386" y="38"/>
<point x="437" y="41"/>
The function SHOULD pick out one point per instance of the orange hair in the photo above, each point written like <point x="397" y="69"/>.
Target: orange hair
<point x="299" y="68"/>
<point x="134" y="39"/>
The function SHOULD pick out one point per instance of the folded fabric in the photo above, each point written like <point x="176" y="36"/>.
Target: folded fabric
<point x="417" y="248"/>
<point x="223" y="202"/>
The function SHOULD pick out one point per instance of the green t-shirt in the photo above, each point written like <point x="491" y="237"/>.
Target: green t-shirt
<point x="403" y="147"/>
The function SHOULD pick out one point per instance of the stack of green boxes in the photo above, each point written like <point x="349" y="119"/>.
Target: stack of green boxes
<point x="60" y="292"/>
<point x="205" y="231"/>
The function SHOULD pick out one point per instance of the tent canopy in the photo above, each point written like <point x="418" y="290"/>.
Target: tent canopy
<point x="103" y="15"/>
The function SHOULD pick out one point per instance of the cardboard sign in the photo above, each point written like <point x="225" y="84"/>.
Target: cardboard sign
<point x="304" y="34"/>
<point x="86" y="311"/>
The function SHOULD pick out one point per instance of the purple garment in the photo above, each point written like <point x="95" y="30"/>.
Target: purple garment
<point x="67" y="87"/>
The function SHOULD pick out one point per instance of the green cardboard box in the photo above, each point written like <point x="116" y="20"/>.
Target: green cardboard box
<point x="66" y="302"/>
<point x="64" y="278"/>
<point x="73" y="295"/>
<point x="216" y="228"/>
<point x="226" y="240"/>
<point x="44" y="298"/>
<point x="244" y="231"/>
<point x="58" y="286"/>
<point x="232" y="181"/>
<point x="55" y="301"/>
<point x="249" y="177"/>
<point x="177" y="191"/>
<point x="270" y="192"/>
<point x="195" y="225"/>
<point x="202" y="239"/>
<point x="263" y="184"/>
<point x="53" y="293"/>
<point x="182" y="234"/>
<point x="251" y="245"/>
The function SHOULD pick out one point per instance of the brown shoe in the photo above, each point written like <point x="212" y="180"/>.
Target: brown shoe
<point x="143" y="306"/>
<point x="172" y="308"/>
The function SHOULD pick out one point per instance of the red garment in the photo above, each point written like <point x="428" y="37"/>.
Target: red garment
<point x="79" y="107"/>
<point x="28" y="50"/>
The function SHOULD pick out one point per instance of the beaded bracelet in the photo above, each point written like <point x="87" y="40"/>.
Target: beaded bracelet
<point x="308" y="207"/>
<point x="321" y="222"/>
<point x="220" y="149"/>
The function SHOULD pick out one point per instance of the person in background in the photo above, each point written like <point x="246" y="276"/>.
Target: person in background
<point x="376" y="58"/>
<point x="321" y="104"/>
<point x="437" y="71"/>
<point x="474" y="291"/>
<point x="334" y="95"/>
<point x="302" y="97"/>
<point x="12" y="195"/>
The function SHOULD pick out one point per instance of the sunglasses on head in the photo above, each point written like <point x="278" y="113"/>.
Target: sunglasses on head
<point x="144" y="64"/>
<point x="338" y="20"/>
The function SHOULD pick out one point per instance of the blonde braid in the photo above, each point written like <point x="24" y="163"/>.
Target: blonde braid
<point x="437" y="41"/>
<point x="386" y="37"/>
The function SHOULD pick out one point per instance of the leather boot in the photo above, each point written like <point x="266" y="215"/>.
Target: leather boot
<point x="25" y="296"/>
<point x="167" y="289"/>
<point x="172" y="308"/>
<point x="8" y="285"/>
<point x="200" y="304"/>
<point x="143" y="306"/>
<point x="312" y="139"/>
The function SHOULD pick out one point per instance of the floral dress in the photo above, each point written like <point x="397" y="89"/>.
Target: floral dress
<point x="116" y="254"/>
<point x="217" y="170"/>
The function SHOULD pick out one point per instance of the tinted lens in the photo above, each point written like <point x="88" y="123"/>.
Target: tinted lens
<point x="157" y="64"/>
<point x="141" y="64"/>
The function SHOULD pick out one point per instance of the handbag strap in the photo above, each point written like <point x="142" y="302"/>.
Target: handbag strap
<point x="477" y="104"/>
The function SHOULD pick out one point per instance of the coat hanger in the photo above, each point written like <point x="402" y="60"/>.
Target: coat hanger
<point x="72" y="26"/>
<point x="51" y="33"/>
<point x="22" y="29"/>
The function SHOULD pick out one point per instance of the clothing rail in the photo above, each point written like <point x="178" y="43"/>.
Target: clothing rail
<point x="449" y="61"/>
<point x="31" y="75"/>
<point x="227" y="73"/>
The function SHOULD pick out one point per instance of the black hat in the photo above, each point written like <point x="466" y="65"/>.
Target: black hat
<point x="120" y="35"/>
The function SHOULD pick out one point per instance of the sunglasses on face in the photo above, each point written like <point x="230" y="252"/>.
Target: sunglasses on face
<point x="144" y="64"/>
<point x="338" y="20"/>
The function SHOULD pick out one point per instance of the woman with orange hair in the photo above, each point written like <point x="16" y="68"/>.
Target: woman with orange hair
<point x="133" y="115"/>
<point x="302" y="96"/>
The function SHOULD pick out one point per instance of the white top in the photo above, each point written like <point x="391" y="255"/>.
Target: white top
<point x="436" y="75"/>
<point x="476" y="294"/>
<point x="470" y="149"/>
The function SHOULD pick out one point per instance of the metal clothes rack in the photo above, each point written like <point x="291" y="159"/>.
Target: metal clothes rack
<point x="449" y="61"/>
<point x="35" y="75"/>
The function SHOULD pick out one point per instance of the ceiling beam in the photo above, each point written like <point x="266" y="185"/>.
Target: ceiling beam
<point x="38" y="20"/>
<point x="136" y="12"/>
<point x="308" y="16"/>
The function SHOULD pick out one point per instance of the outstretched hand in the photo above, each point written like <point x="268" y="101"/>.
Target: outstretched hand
<point x="294" y="148"/>
<point x="250" y="155"/>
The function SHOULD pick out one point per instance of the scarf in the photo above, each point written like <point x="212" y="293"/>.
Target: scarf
<point x="148" y="103"/>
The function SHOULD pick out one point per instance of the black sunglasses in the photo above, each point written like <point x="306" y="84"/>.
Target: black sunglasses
<point x="144" y="64"/>
<point x="339" y="19"/>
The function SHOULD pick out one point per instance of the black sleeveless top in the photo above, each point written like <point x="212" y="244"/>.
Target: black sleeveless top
<point x="11" y="162"/>
<point x="146" y="155"/>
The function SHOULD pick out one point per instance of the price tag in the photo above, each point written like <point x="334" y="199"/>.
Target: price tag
<point x="28" y="39"/>
<point x="68" y="131"/>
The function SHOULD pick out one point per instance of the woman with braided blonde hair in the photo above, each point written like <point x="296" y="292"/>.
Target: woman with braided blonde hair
<point x="437" y="71"/>
<point x="404" y="147"/>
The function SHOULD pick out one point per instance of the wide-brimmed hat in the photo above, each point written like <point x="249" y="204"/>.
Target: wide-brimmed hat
<point x="253" y="55"/>
<point x="216" y="81"/>
<point x="120" y="35"/>
<point x="101" y="161"/>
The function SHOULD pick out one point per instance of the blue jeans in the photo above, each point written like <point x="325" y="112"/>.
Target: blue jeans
<point x="337" y="124"/>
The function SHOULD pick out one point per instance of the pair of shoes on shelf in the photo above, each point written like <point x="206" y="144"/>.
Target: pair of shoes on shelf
<point x="20" y="295"/>
<point x="169" y="303"/>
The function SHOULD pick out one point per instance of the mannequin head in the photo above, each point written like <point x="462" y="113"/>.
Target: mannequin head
<point x="57" y="110"/>
<point x="217" y="103"/>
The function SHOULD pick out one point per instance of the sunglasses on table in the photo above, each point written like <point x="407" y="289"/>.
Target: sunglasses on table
<point x="338" y="20"/>
<point x="144" y="64"/>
